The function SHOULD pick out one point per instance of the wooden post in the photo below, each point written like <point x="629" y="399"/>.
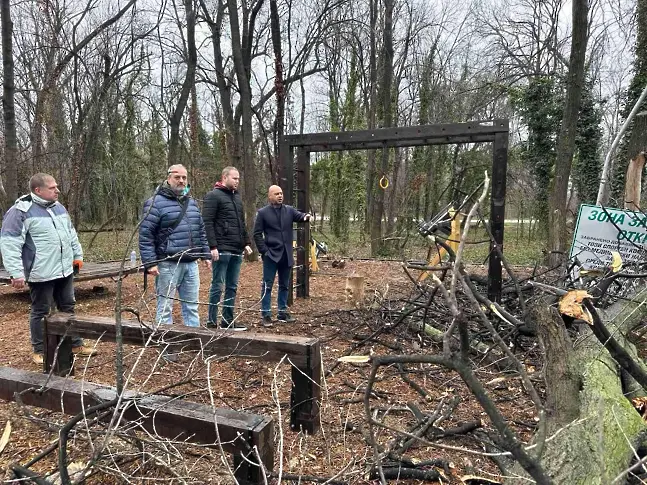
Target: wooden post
<point x="306" y="393"/>
<point x="261" y="439"/>
<point x="64" y="363"/>
<point x="497" y="212"/>
<point x="303" y="231"/>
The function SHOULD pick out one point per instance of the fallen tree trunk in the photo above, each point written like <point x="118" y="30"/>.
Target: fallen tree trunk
<point x="481" y="352"/>
<point x="592" y="423"/>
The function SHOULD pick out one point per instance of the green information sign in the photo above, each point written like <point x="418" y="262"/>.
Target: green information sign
<point x="599" y="231"/>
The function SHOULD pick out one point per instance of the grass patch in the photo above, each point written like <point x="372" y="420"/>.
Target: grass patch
<point x="519" y="247"/>
<point x="107" y="246"/>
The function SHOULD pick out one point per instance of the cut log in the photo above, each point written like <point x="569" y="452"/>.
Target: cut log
<point x="594" y="442"/>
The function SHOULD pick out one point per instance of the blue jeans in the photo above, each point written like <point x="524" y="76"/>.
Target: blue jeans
<point x="225" y="272"/>
<point x="45" y="295"/>
<point x="185" y="278"/>
<point x="270" y="268"/>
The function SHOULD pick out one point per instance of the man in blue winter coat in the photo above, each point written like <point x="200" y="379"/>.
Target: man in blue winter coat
<point x="172" y="239"/>
<point x="41" y="248"/>
<point x="273" y="238"/>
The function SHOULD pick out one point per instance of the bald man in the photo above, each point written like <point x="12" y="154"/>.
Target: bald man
<point x="273" y="238"/>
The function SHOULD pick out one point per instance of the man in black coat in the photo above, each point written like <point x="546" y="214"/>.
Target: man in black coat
<point x="224" y="221"/>
<point x="273" y="238"/>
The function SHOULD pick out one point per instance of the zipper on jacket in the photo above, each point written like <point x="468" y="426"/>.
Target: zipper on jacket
<point x="240" y="229"/>
<point x="59" y="239"/>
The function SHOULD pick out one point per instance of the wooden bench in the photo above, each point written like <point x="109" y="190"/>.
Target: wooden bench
<point x="302" y="352"/>
<point x="90" y="271"/>
<point x="163" y="416"/>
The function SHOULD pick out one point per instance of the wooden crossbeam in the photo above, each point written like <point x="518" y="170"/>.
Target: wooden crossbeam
<point x="90" y="271"/>
<point x="163" y="416"/>
<point x="302" y="352"/>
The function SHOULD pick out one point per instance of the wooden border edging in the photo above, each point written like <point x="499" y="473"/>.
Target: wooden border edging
<point x="91" y="271"/>
<point x="303" y="352"/>
<point x="160" y="415"/>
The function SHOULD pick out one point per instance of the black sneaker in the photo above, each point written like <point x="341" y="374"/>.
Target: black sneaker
<point x="285" y="317"/>
<point x="236" y="327"/>
<point x="266" y="321"/>
<point x="211" y="325"/>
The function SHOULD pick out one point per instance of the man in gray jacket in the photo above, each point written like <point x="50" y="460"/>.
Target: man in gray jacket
<point x="41" y="248"/>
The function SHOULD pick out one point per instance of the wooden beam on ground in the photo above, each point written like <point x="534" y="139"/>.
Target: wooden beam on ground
<point x="90" y="271"/>
<point x="167" y="417"/>
<point x="262" y="346"/>
<point x="303" y="352"/>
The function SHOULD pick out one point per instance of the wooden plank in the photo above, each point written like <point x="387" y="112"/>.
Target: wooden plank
<point x="90" y="271"/>
<point x="262" y="346"/>
<point x="164" y="416"/>
<point x="303" y="352"/>
<point x="401" y="136"/>
<point x="368" y="145"/>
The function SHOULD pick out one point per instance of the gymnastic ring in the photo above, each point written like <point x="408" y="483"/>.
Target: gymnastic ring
<point x="384" y="182"/>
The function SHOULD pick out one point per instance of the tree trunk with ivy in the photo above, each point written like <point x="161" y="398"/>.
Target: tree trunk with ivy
<point x="587" y="166"/>
<point x="635" y="138"/>
<point x="590" y="416"/>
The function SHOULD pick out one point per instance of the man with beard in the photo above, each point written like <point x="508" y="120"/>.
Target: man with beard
<point x="171" y="241"/>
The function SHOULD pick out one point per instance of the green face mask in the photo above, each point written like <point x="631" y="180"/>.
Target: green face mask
<point x="183" y="192"/>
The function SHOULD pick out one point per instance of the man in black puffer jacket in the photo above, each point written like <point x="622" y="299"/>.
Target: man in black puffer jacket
<point x="171" y="241"/>
<point x="224" y="221"/>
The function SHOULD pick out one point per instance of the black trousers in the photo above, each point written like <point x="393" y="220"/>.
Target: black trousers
<point x="44" y="295"/>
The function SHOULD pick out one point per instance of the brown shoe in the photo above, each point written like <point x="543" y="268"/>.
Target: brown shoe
<point x="37" y="359"/>
<point x="84" y="351"/>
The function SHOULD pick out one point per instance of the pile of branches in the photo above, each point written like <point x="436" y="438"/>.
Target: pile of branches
<point x="556" y="320"/>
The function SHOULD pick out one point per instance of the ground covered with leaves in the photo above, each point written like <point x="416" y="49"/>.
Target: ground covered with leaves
<point x="421" y="399"/>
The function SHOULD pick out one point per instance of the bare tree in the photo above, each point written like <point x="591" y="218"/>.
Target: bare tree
<point x="279" y="83"/>
<point x="9" y="190"/>
<point x="187" y="85"/>
<point x="566" y="142"/>
<point x="386" y="101"/>
<point x="55" y="69"/>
